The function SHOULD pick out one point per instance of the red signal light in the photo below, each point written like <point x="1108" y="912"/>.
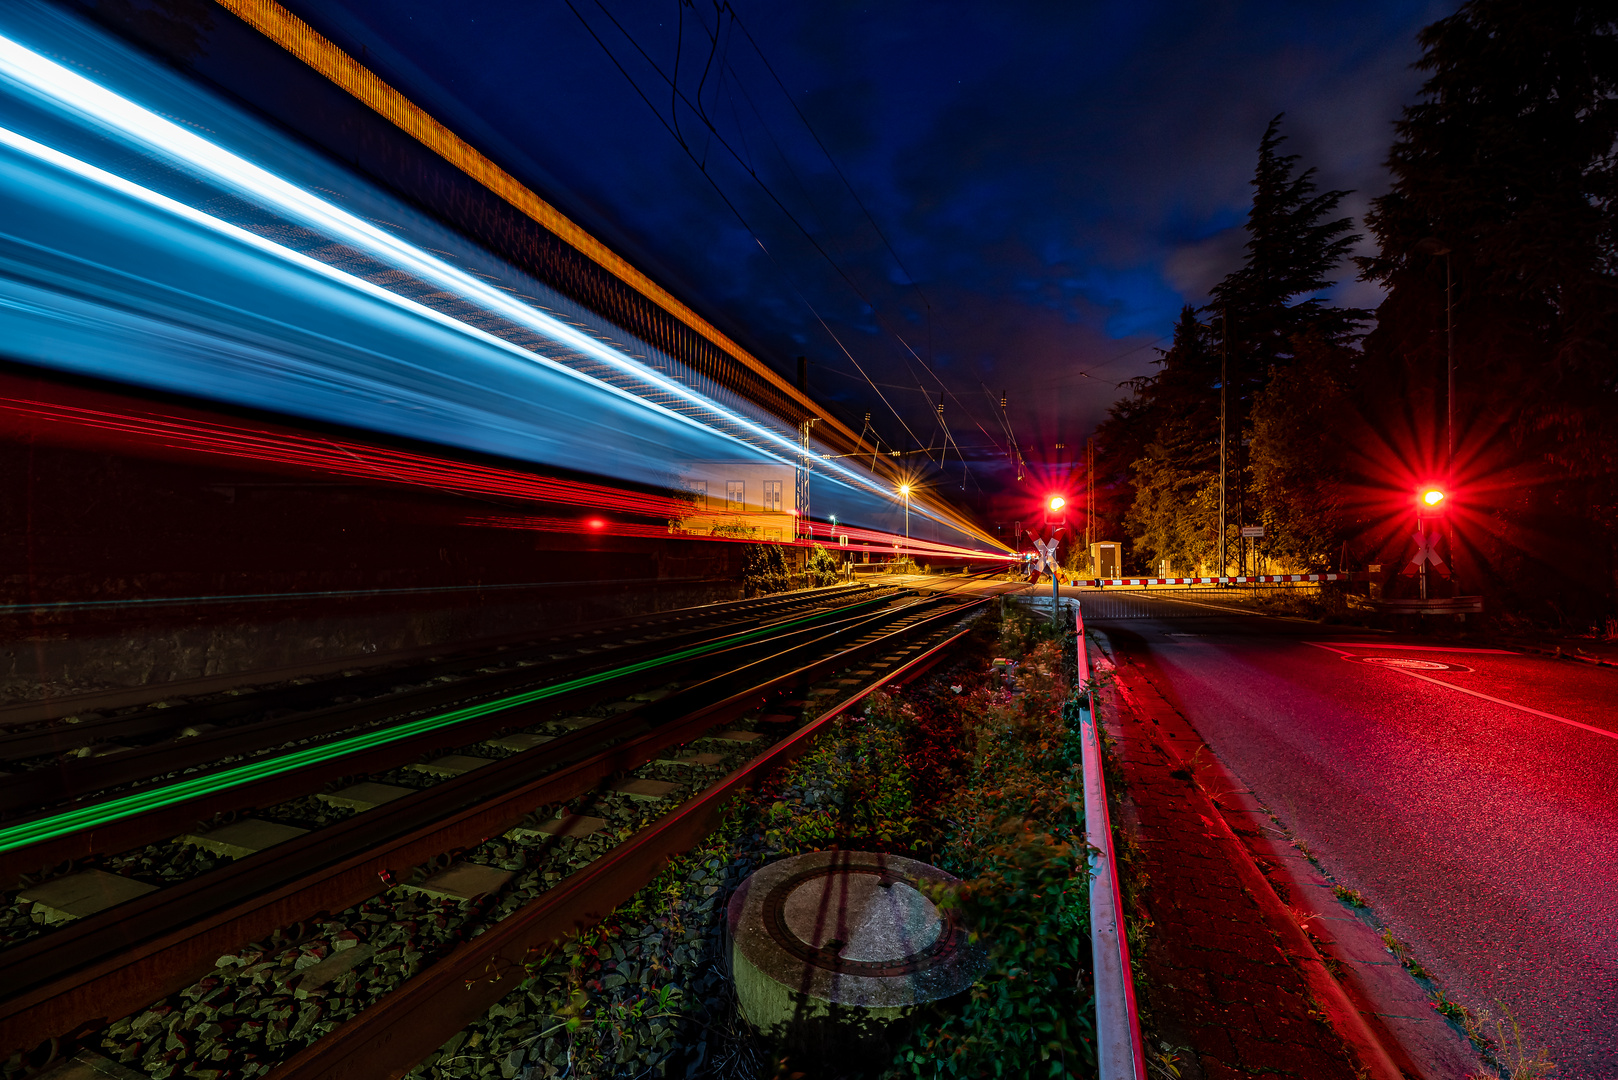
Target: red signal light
<point x="1056" y="503"/>
<point x="1432" y="498"/>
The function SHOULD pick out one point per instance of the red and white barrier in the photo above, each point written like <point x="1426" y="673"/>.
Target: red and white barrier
<point x="1255" y="579"/>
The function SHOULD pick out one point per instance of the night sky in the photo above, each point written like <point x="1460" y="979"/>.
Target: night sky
<point x="1046" y="184"/>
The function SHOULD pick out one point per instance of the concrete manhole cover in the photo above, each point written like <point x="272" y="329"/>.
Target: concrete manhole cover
<point x="834" y="935"/>
<point x="1411" y="664"/>
<point x="872" y="919"/>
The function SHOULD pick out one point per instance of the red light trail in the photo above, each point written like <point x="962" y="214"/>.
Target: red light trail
<point x="359" y="461"/>
<point x="346" y="459"/>
<point x="869" y="540"/>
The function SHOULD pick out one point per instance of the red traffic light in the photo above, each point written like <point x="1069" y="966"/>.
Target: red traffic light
<point x="1056" y="503"/>
<point x="1432" y="498"/>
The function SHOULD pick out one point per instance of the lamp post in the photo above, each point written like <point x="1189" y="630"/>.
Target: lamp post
<point x="1431" y="245"/>
<point x="1430" y="501"/>
<point x="1057" y="520"/>
<point x="904" y="491"/>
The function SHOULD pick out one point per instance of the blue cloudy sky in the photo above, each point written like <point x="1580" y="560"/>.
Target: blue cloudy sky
<point x="1011" y="197"/>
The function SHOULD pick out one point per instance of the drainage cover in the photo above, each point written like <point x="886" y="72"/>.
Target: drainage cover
<point x="1411" y="664"/>
<point x="844" y="934"/>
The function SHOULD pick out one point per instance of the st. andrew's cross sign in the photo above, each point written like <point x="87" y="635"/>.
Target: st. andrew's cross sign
<point x="1426" y="554"/>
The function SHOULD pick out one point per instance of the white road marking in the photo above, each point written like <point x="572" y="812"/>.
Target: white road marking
<point x="1410" y="648"/>
<point x="1474" y="693"/>
<point x="1511" y="704"/>
<point x="1328" y="648"/>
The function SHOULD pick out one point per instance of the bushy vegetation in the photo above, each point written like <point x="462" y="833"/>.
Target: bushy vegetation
<point x="982" y="782"/>
<point x="821" y="568"/>
<point x="1017" y="841"/>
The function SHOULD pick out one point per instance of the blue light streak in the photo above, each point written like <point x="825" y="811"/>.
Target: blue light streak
<point x="268" y="352"/>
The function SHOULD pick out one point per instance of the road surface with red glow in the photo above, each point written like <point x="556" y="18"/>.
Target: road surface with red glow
<point x="1472" y="796"/>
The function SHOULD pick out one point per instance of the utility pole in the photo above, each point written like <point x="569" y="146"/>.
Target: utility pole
<point x="1449" y="419"/>
<point x="1224" y="380"/>
<point x="1090" y="498"/>
<point x="806" y="464"/>
<point x="1449" y="363"/>
<point x="1431" y="245"/>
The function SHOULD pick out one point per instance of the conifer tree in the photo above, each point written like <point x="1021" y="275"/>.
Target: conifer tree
<point x="1294" y="245"/>
<point x="1174" y="518"/>
<point x="1270" y="304"/>
<point x="1508" y="161"/>
<point x="1261" y="313"/>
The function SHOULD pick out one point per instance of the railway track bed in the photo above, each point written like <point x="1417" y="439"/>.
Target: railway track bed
<point x="546" y="830"/>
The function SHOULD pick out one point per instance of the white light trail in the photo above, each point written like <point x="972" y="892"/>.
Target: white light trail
<point x="96" y="105"/>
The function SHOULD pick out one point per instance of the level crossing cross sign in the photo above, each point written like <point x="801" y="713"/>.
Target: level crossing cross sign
<point x="1047" y="554"/>
<point x="1426" y="553"/>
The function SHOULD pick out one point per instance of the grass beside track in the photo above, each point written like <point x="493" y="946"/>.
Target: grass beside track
<point x="959" y="769"/>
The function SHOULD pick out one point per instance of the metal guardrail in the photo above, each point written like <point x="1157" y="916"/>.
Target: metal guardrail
<point x="1120" y="1055"/>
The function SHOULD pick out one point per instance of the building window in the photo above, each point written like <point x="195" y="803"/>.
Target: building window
<point x="772" y="496"/>
<point x="699" y="488"/>
<point x="733" y="495"/>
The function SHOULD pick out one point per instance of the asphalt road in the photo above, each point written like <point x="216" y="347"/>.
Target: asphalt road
<point x="1472" y="796"/>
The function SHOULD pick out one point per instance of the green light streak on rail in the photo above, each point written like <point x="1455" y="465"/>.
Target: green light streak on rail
<point x="127" y="806"/>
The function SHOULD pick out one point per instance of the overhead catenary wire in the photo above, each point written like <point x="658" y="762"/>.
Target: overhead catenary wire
<point x="677" y="95"/>
<point x="853" y="192"/>
<point x="729" y="203"/>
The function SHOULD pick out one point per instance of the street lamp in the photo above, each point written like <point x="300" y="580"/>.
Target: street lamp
<point x="904" y="491"/>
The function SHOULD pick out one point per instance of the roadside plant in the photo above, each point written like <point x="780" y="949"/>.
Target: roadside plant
<point x="1351" y="897"/>
<point x="1506" y="1046"/>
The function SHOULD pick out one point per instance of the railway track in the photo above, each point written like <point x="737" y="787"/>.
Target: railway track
<point x="773" y="681"/>
<point x="69" y="807"/>
<point x="60" y="745"/>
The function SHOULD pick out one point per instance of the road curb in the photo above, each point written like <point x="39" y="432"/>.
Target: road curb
<point x="1559" y="654"/>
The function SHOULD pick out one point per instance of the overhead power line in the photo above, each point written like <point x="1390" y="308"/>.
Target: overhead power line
<point x="746" y="162"/>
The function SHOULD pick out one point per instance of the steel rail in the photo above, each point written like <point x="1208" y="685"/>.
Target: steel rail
<point x="389" y="1038"/>
<point x="124" y="821"/>
<point x="1119" y="1053"/>
<point x="36" y="741"/>
<point x="111" y="964"/>
<point x="33" y="715"/>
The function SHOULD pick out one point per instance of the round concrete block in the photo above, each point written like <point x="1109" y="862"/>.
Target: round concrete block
<point x="830" y="949"/>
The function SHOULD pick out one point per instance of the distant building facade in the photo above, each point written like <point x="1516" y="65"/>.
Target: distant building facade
<point x="746" y="499"/>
